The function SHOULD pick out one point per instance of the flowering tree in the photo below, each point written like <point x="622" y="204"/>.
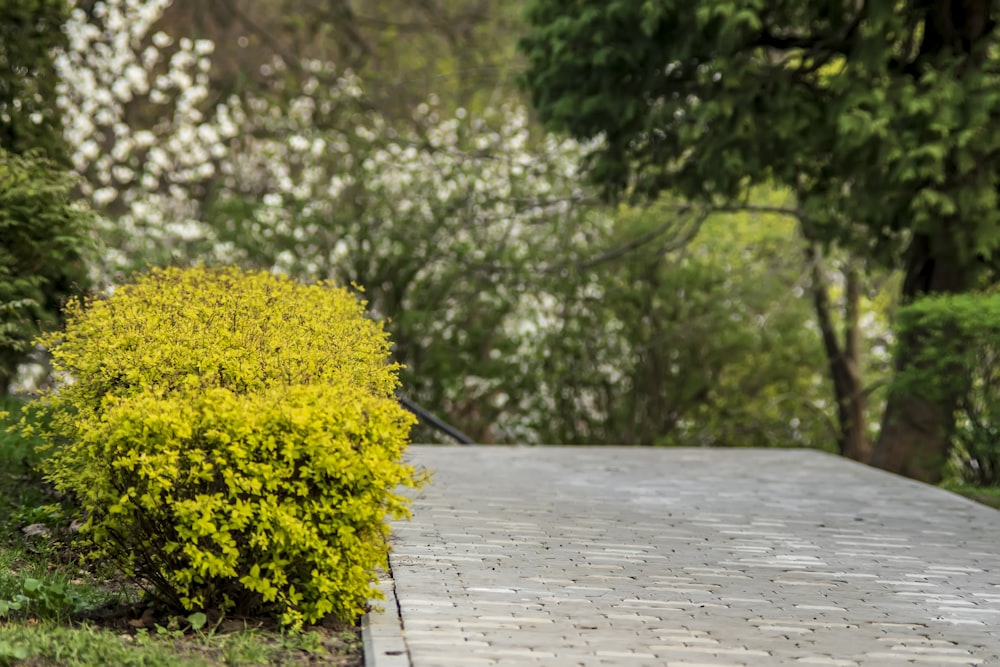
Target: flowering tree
<point x="450" y="226"/>
<point x="446" y="223"/>
<point x="142" y="133"/>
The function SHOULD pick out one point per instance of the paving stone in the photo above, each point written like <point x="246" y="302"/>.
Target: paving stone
<point x="579" y="556"/>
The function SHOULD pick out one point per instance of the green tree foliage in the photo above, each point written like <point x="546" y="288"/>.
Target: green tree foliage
<point x="232" y="439"/>
<point x="43" y="236"/>
<point x="958" y="355"/>
<point x="686" y="341"/>
<point x="29" y="117"/>
<point x="882" y="118"/>
<point x="43" y="253"/>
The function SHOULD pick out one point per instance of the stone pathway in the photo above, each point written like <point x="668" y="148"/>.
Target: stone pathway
<point x="563" y="556"/>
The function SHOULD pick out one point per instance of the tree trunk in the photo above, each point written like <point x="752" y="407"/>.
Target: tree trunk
<point x="8" y="369"/>
<point x="916" y="432"/>
<point x="856" y="442"/>
<point x="844" y="360"/>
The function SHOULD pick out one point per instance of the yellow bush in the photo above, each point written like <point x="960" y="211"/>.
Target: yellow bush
<point x="233" y="439"/>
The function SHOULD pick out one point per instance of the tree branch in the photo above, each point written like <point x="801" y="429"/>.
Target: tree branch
<point x="635" y="243"/>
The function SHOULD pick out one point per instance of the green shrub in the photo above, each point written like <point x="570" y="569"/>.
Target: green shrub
<point x="233" y="439"/>
<point x="960" y="356"/>
<point x="43" y="253"/>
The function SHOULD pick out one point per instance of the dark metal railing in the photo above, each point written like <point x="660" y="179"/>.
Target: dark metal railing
<point x="434" y="422"/>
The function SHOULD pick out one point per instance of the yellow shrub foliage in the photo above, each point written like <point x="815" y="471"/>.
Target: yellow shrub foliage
<point x="233" y="439"/>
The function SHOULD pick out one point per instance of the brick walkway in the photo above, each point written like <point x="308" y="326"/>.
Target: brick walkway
<point x="562" y="556"/>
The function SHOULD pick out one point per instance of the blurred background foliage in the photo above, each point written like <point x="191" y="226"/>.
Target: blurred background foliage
<point x="386" y="144"/>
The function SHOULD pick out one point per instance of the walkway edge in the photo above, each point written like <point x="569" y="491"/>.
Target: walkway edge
<point x="382" y="632"/>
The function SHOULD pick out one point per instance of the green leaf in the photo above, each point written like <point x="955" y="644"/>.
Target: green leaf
<point x="197" y="620"/>
<point x="32" y="585"/>
<point x="10" y="651"/>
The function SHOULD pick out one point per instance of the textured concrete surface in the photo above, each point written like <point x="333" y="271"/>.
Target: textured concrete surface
<point x="563" y="556"/>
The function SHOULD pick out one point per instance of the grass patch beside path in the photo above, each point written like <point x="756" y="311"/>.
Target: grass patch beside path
<point x="83" y="645"/>
<point x="986" y="495"/>
<point x="55" y="612"/>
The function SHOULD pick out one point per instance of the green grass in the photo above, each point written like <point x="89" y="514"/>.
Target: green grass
<point x="56" y="612"/>
<point x="46" y="643"/>
<point x="986" y="495"/>
<point x="21" y="488"/>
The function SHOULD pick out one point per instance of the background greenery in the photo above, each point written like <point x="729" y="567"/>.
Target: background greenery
<point x="880" y="119"/>
<point x="732" y="297"/>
